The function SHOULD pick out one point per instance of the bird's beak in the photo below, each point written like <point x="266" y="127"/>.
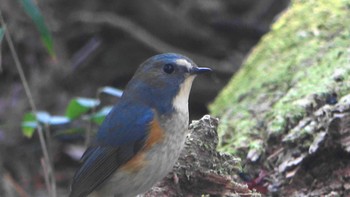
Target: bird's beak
<point x="199" y="70"/>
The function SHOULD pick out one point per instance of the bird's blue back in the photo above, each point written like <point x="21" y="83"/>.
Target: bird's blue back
<point x="127" y="122"/>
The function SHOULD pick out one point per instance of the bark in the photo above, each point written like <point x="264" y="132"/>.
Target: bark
<point x="201" y="170"/>
<point x="287" y="110"/>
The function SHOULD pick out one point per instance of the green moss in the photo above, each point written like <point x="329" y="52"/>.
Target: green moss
<point x="295" y="60"/>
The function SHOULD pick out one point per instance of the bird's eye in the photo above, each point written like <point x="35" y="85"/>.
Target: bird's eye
<point x="168" y="68"/>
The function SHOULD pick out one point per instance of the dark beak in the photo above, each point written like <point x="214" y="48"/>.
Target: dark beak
<point x="199" y="70"/>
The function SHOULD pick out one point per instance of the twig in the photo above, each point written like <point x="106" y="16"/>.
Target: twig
<point x="1" y="70"/>
<point x="20" y="191"/>
<point x="275" y="154"/>
<point x="50" y="174"/>
<point x="46" y="171"/>
<point x="51" y="166"/>
<point x="90" y="125"/>
<point x="85" y="52"/>
<point x="137" y="32"/>
<point x="89" y="130"/>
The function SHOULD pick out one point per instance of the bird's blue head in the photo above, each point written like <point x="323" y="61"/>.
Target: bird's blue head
<point x="164" y="82"/>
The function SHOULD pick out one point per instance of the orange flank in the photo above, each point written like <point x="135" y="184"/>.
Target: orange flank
<point x="135" y="163"/>
<point x="155" y="135"/>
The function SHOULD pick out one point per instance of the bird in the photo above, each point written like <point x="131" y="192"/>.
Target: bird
<point x="141" y="138"/>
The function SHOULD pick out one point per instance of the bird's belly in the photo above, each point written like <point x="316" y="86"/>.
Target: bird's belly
<point x="159" y="161"/>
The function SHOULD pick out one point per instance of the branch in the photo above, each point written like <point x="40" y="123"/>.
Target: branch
<point x="137" y="32"/>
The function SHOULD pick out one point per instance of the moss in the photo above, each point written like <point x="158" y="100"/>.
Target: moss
<point x="298" y="58"/>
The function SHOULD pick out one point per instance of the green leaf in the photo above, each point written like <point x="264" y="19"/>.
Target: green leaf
<point x="111" y="91"/>
<point x="59" y="120"/>
<point x="99" y="116"/>
<point x="33" y="11"/>
<point x="29" y="124"/>
<point x="28" y="128"/>
<point x="29" y="117"/>
<point x="2" y="33"/>
<point x="43" y="117"/>
<point x="30" y="121"/>
<point x="46" y="118"/>
<point x="80" y="106"/>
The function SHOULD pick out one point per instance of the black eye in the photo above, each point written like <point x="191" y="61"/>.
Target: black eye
<point x="168" y="68"/>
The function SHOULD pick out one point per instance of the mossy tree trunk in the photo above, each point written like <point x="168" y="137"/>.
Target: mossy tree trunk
<point x="289" y="104"/>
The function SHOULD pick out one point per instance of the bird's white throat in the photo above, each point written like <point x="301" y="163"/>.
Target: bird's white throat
<point x="180" y="102"/>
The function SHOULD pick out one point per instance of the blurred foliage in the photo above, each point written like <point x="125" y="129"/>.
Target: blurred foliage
<point x="33" y="11"/>
<point x="79" y="106"/>
<point x="29" y="124"/>
<point x="78" y="109"/>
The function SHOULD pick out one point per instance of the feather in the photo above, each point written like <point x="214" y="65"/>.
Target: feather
<point x="119" y="141"/>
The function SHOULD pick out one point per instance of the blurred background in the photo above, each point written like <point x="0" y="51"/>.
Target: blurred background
<point x="101" y="43"/>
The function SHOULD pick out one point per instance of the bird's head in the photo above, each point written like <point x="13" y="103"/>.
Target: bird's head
<point x="164" y="82"/>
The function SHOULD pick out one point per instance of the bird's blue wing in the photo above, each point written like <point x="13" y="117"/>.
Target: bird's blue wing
<point x="119" y="138"/>
<point x="126" y="123"/>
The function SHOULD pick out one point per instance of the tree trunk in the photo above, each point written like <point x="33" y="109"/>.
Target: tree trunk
<point x="287" y="110"/>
